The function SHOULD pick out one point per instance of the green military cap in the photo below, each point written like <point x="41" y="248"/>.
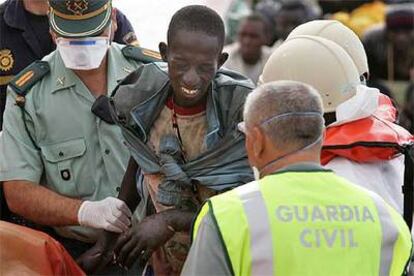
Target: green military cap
<point x="79" y="18"/>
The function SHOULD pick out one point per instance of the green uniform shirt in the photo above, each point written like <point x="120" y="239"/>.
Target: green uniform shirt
<point x="80" y="155"/>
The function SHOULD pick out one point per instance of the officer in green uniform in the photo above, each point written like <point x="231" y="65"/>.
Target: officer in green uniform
<point x="60" y="163"/>
<point x="296" y="218"/>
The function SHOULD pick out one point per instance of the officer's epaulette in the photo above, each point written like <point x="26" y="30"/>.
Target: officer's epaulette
<point x="29" y="76"/>
<point x="141" y="54"/>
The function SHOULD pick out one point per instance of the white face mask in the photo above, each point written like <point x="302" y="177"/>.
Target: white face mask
<point x="83" y="53"/>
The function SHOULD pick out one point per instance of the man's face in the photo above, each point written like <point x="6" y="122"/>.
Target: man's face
<point x="193" y="60"/>
<point x="287" y="20"/>
<point x="251" y="37"/>
<point x="402" y="40"/>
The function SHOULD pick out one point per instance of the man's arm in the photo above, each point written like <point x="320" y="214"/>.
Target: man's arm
<point x="151" y="233"/>
<point x="129" y="193"/>
<point x="34" y="202"/>
<point x="96" y="258"/>
<point x="125" y="33"/>
<point x="21" y="168"/>
<point x="180" y="220"/>
<point x="46" y="207"/>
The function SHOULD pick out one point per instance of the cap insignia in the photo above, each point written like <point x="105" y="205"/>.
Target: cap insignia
<point x="77" y="7"/>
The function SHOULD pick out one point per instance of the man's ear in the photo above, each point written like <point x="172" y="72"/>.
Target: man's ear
<point x="163" y="47"/>
<point x="114" y="21"/>
<point x="222" y="59"/>
<point x="53" y="35"/>
<point x="259" y="142"/>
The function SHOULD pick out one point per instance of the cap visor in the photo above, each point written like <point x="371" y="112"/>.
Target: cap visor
<point x="80" y="28"/>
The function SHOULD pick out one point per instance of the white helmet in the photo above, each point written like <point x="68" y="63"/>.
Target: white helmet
<point x="341" y="35"/>
<point x="318" y="62"/>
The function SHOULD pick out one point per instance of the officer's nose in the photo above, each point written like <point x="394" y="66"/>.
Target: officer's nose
<point x="191" y="79"/>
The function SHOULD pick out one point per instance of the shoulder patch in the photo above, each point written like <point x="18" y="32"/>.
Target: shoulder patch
<point x="141" y="54"/>
<point x="29" y="76"/>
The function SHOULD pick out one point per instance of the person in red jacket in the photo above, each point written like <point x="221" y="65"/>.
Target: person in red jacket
<point x="362" y="142"/>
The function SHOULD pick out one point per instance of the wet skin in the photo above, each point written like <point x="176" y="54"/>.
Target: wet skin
<point x="193" y="60"/>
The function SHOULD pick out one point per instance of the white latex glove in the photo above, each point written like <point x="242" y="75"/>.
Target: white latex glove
<point x="110" y="214"/>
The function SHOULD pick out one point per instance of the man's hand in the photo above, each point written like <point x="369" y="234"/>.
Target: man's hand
<point x="110" y="214"/>
<point x="95" y="259"/>
<point x="100" y="255"/>
<point x="142" y="240"/>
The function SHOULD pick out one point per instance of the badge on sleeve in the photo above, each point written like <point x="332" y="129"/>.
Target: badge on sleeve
<point x="6" y="60"/>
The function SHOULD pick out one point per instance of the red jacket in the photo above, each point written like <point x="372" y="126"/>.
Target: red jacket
<point x="370" y="139"/>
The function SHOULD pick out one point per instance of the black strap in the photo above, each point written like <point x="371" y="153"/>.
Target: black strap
<point x="408" y="188"/>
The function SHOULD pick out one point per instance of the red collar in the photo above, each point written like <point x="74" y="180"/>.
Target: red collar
<point x="185" y="111"/>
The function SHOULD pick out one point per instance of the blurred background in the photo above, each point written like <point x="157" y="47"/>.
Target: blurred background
<point x="386" y="28"/>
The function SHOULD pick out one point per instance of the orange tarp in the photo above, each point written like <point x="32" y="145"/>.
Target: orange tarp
<point x="24" y="251"/>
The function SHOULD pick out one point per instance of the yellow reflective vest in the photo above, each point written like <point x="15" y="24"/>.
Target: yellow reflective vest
<point x="308" y="223"/>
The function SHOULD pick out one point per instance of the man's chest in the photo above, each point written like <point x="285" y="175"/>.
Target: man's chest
<point x="65" y="114"/>
<point x="190" y="130"/>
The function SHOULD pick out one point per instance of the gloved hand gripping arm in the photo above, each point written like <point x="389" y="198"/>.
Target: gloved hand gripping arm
<point x="96" y="258"/>
<point x="154" y="231"/>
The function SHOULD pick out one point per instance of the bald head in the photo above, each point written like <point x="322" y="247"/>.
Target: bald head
<point x="281" y="97"/>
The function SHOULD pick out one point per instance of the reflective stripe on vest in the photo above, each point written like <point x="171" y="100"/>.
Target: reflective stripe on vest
<point x="301" y="223"/>
<point x="389" y="236"/>
<point x="261" y="248"/>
